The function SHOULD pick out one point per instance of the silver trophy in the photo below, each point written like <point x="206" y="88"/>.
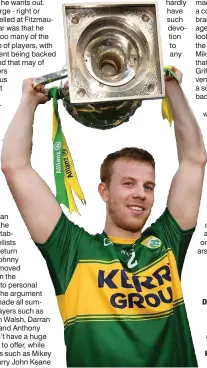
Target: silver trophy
<point x="113" y="54"/>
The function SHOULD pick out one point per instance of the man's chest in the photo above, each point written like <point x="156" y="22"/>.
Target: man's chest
<point x="122" y="283"/>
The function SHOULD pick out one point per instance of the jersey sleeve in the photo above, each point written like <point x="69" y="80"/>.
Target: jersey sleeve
<point x="173" y="237"/>
<point x="60" y="252"/>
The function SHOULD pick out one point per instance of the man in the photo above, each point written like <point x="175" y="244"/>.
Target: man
<point x="118" y="292"/>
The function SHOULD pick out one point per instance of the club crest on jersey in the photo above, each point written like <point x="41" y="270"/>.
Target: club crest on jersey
<point x="152" y="242"/>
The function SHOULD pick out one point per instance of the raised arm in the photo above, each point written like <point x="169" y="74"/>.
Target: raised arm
<point x="37" y="205"/>
<point x="186" y="188"/>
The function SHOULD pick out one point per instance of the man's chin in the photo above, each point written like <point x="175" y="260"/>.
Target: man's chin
<point x="130" y="223"/>
<point x="133" y="226"/>
<point x="136" y="225"/>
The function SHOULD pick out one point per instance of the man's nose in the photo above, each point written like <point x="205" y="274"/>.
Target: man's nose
<point x="139" y="192"/>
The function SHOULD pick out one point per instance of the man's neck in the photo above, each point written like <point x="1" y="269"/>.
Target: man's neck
<point x="116" y="232"/>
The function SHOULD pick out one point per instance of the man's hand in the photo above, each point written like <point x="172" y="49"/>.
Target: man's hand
<point x="171" y="84"/>
<point x="33" y="96"/>
<point x="66" y="87"/>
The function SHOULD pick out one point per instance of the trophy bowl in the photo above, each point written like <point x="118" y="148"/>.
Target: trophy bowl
<point x="113" y="52"/>
<point x="113" y="61"/>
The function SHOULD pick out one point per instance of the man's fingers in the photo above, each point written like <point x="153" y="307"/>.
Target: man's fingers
<point x="45" y="99"/>
<point x="66" y="88"/>
<point x="178" y="74"/>
<point x="37" y="94"/>
<point x="66" y="85"/>
<point x="39" y="88"/>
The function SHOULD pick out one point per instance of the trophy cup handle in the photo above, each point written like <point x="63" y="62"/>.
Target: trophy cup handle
<point x="52" y="77"/>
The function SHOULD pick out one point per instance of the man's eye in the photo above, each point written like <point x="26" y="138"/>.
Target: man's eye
<point x="148" y="188"/>
<point x="128" y="184"/>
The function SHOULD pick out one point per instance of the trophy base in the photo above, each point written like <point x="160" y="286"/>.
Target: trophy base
<point x="113" y="52"/>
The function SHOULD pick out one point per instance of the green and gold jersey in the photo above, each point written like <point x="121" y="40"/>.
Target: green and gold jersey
<point x="121" y="302"/>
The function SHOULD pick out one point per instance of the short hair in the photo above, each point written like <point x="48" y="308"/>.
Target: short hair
<point x="127" y="154"/>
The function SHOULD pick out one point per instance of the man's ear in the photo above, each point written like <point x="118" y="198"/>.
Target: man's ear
<point x="103" y="191"/>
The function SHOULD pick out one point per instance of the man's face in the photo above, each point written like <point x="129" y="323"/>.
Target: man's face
<point x="130" y="194"/>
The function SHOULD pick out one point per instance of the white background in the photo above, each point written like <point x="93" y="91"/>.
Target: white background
<point x="89" y="147"/>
